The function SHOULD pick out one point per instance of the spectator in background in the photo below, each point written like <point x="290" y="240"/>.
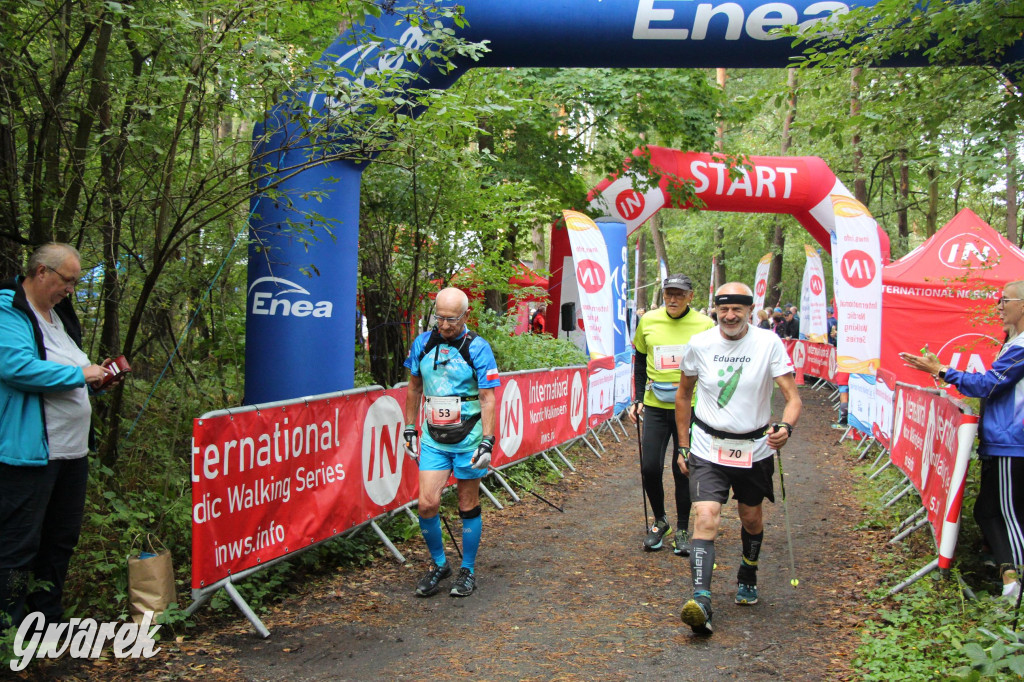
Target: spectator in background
<point x="538" y="321"/>
<point x="791" y="330"/>
<point x="764" y="319"/>
<point x="779" y="323"/>
<point x="44" y="433"/>
<point x="999" y="509"/>
<point x="833" y="326"/>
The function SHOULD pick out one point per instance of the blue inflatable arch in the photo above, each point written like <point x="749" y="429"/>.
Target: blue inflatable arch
<point x="300" y="330"/>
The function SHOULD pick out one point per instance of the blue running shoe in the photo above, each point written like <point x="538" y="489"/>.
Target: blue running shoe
<point x="746" y="594"/>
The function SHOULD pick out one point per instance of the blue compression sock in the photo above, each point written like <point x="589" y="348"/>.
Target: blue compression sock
<point x="431" y="529"/>
<point x="471" y="530"/>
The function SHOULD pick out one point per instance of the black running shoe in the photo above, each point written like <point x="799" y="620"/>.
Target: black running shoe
<point x="681" y="543"/>
<point x="653" y="541"/>
<point x="428" y="585"/>
<point x="464" y="584"/>
<point x="697" y="614"/>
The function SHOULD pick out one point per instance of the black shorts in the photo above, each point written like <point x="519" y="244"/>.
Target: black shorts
<point x="710" y="481"/>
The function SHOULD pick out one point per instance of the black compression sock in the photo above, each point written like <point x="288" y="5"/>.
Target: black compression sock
<point x="702" y="563"/>
<point x="747" y="573"/>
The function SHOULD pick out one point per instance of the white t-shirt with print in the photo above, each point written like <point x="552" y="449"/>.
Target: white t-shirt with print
<point x="734" y="383"/>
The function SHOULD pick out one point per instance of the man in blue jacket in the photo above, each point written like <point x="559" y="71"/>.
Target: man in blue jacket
<point x="999" y="509"/>
<point x="44" y="432"/>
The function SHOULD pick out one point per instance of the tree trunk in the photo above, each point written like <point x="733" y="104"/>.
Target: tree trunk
<point x="902" y="217"/>
<point x="640" y="279"/>
<point x="860" y="186"/>
<point x="933" y="202"/>
<point x="1011" y="193"/>
<point x="718" y="250"/>
<point x="774" y="294"/>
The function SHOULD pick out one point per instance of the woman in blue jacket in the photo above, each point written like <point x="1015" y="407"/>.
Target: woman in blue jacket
<point x="999" y="509"/>
<point x="44" y="431"/>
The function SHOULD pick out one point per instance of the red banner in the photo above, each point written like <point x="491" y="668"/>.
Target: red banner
<point x="538" y="410"/>
<point x="266" y="483"/>
<point x="931" y="444"/>
<point x="812" y="359"/>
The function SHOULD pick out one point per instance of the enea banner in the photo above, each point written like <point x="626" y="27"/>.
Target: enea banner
<point x="931" y="443"/>
<point x="813" y="316"/>
<point x="761" y="280"/>
<point x="593" y="276"/>
<point x="272" y="481"/>
<point x="537" y="410"/>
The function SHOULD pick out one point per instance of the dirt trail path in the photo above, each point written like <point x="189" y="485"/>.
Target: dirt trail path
<point x="572" y="597"/>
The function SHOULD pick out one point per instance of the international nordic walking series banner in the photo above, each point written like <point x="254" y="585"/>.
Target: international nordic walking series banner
<point x="761" y="280"/>
<point x="593" y="275"/>
<point x="813" y="313"/>
<point x="269" y="481"/>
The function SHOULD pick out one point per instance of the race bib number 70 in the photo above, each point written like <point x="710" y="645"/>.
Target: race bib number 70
<point x="732" y="453"/>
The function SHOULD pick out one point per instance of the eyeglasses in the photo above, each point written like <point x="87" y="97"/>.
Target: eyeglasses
<point x="68" y="281"/>
<point x="449" y="320"/>
<point x="1003" y="299"/>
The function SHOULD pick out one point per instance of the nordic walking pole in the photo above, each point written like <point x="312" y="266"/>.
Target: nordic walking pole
<point x="495" y="471"/>
<point x="785" y="513"/>
<point x="640" y="449"/>
<point x="450" y="534"/>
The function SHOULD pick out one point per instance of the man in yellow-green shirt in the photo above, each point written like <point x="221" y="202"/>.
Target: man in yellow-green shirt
<point x="660" y="338"/>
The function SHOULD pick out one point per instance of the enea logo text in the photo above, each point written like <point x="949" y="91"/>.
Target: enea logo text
<point x="693" y="21"/>
<point x="273" y="302"/>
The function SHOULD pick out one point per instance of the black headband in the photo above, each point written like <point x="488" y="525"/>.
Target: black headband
<point x="741" y="299"/>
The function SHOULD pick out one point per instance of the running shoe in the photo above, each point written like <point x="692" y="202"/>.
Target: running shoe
<point x="428" y="585"/>
<point x="681" y="543"/>
<point x="697" y="614"/>
<point x="464" y="584"/>
<point x="652" y="542"/>
<point x="746" y="594"/>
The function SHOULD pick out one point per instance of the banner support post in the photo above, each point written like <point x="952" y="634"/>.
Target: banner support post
<point x="544" y="456"/>
<point x="387" y="542"/>
<point x="932" y="565"/>
<point x="504" y="484"/>
<point x="490" y="497"/>
<point x="563" y="458"/>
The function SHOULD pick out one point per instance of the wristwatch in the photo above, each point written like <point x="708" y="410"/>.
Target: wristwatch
<point x="942" y="372"/>
<point x="788" y="427"/>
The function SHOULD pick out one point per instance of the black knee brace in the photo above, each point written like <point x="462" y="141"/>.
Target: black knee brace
<point x="471" y="514"/>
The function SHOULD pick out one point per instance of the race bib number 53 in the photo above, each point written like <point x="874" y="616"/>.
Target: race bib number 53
<point x="444" y="411"/>
<point x="732" y="453"/>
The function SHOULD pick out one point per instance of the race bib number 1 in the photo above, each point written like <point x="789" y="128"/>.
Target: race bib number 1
<point x="444" y="411"/>
<point x="732" y="453"/>
<point x="668" y="357"/>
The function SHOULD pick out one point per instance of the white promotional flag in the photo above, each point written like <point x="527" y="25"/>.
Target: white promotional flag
<point x="856" y="278"/>
<point x="761" y="281"/>
<point x="621" y="200"/>
<point x="813" y="316"/>
<point x="593" y="277"/>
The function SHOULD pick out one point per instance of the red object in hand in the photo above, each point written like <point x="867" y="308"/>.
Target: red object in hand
<point x="117" y="370"/>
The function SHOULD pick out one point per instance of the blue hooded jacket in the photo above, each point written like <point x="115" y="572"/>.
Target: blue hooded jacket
<point x="25" y="375"/>
<point x="1002" y="388"/>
